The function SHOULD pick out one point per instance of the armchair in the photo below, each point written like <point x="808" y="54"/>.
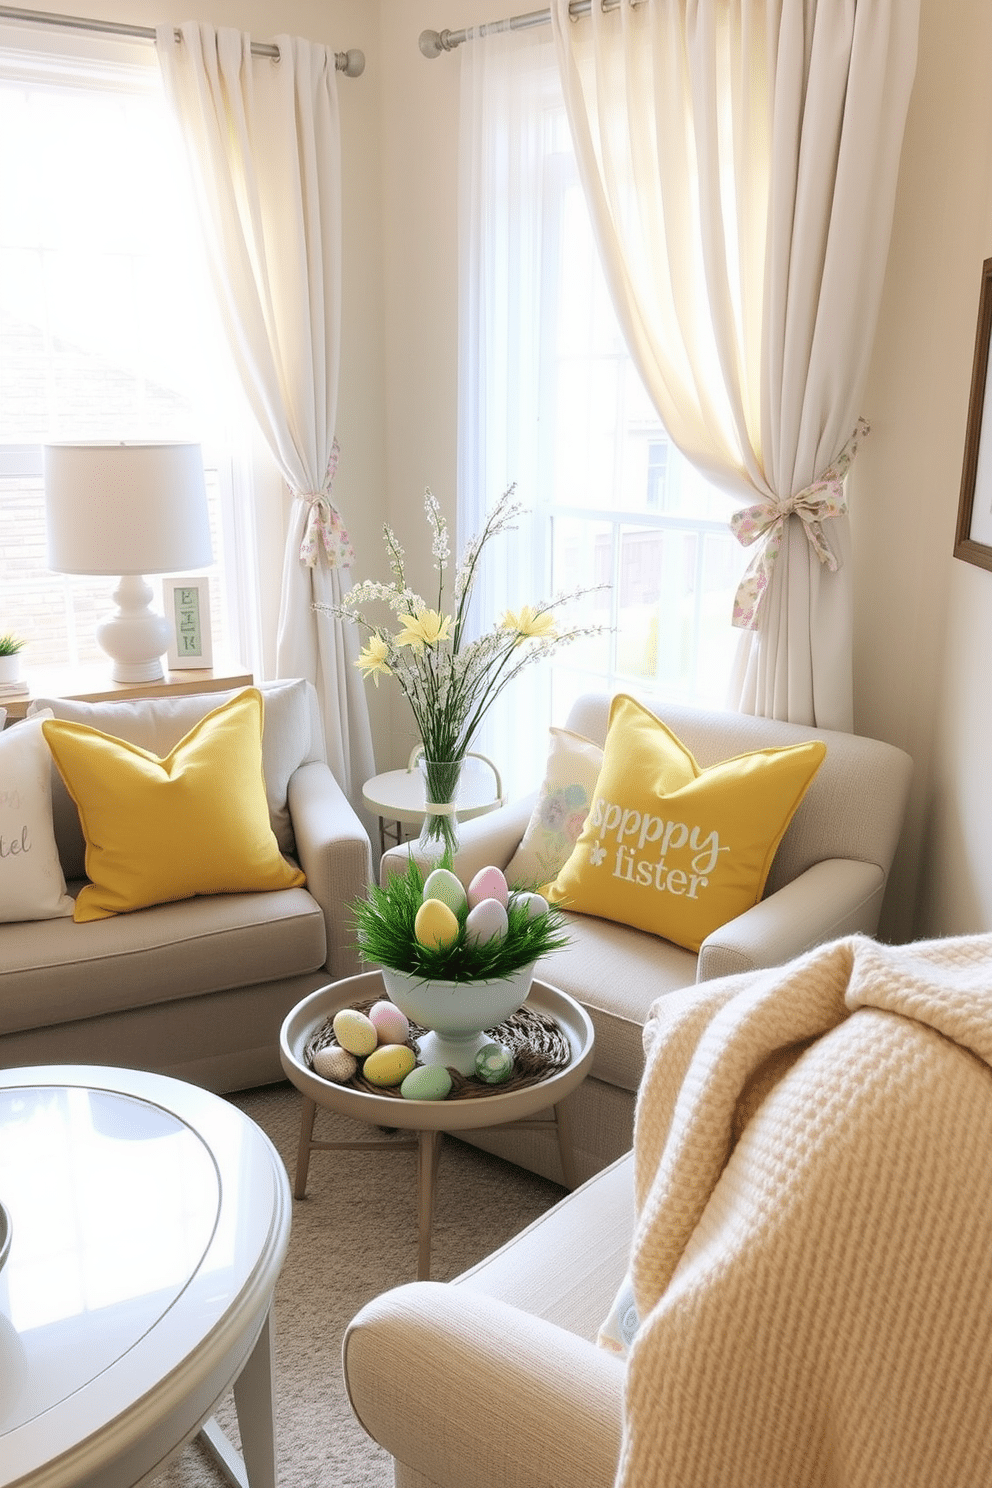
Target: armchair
<point x="827" y="880"/>
<point x="811" y="1259"/>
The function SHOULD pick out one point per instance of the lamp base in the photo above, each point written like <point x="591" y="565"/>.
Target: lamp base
<point x="134" y="637"/>
<point x="144" y="671"/>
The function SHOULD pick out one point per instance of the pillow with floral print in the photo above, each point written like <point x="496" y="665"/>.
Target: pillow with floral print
<point x="561" y="810"/>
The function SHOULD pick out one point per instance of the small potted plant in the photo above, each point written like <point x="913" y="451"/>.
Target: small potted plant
<point x="10" y="657"/>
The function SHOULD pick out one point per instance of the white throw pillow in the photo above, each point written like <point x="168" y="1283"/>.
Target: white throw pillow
<point x="32" y="886"/>
<point x="560" y="812"/>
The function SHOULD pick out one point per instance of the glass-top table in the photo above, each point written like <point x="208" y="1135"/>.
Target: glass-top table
<point x="148" y="1224"/>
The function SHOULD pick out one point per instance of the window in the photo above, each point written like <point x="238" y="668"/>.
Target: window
<point x="549" y="398"/>
<point x="106" y="325"/>
<point x="622" y="508"/>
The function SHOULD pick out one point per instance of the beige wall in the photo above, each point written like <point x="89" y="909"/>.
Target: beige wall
<point x="923" y="618"/>
<point x="420" y="176"/>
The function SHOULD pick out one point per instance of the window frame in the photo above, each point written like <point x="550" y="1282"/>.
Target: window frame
<point x="40" y="58"/>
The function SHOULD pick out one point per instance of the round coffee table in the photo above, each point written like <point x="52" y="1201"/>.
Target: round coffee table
<point x="428" y="1119"/>
<point x="148" y="1225"/>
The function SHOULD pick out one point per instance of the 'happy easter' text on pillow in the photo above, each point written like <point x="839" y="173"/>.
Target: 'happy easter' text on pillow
<point x="672" y="848"/>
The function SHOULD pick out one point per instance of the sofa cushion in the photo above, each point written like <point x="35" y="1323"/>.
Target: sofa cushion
<point x="560" y="811"/>
<point x="32" y="886"/>
<point x="290" y="738"/>
<point x="195" y="822"/>
<point x="58" y="971"/>
<point x="674" y="849"/>
<point x="565" y="1266"/>
<point x="616" y="973"/>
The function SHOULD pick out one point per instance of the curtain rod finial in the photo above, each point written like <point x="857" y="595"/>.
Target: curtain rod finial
<point x="433" y="43"/>
<point x="351" y="63"/>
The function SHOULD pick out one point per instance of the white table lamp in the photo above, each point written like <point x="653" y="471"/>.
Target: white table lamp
<point x="128" y="509"/>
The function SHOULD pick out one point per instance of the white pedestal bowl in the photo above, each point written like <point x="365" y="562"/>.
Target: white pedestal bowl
<point x="456" y="1014"/>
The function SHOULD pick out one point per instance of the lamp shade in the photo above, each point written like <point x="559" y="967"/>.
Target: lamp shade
<point x="126" y="508"/>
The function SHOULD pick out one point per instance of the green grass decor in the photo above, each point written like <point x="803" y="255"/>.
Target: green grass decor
<point x="384" y="927"/>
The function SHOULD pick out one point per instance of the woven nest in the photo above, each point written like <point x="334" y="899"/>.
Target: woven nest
<point x="538" y="1045"/>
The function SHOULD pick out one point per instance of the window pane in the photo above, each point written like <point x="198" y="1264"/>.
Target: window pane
<point x="656" y="532"/>
<point x="551" y="400"/>
<point x="107" y="328"/>
<point x="583" y="557"/>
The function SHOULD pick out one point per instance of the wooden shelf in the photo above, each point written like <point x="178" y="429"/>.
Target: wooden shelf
<point x="93" y="684"/>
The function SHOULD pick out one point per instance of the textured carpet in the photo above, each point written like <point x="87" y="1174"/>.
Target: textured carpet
<point x="354" y="1236"/>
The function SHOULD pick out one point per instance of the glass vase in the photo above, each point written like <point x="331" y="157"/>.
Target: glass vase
<point x="439" y="832"/>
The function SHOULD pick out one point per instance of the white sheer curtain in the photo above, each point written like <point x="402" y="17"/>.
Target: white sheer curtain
<point x="263" y="141"/>
<point x="510" y="98"/>
<point x="740" y="164"/>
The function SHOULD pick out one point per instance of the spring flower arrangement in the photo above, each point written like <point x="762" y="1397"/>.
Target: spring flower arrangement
<point x="449" y="681"/>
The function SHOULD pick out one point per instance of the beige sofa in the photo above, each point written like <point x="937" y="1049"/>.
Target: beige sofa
<point x="828" y="879"/>
<point x="197" y="989"/>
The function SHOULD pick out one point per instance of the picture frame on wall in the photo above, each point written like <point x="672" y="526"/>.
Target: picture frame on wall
<point x="187" y="606"/>
<point x="973" y="539"/>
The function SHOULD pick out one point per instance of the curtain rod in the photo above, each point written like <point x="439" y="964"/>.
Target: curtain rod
<point x="351" y="63"/>
<point x="433" y="43"/>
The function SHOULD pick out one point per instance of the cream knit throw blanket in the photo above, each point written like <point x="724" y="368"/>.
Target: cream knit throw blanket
<point x="813" y="1256"/>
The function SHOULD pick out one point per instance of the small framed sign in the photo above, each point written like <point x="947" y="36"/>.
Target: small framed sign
<point x="973" y="538"/>
<point x="187" y="606"/>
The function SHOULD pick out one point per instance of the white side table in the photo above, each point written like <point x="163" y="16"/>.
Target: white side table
<point x="398" y="795"/>
<point x="429" y="1120"/>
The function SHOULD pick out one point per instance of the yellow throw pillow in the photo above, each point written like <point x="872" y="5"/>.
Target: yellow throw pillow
<point x="195" y="822"/>
<point x="674" y="849"/>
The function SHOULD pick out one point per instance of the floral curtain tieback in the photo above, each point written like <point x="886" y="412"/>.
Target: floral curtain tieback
<point x="324" y="524"/>
<point x="766" y="519"/>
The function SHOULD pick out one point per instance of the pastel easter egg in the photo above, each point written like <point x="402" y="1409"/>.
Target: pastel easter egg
<point x="485" y="922"/>
<point x="435" y="925"/>
<point x="442" y="884"/>
<point x="488" y="883"/>
<point x="354" y="1032"/>
<point x="334" y="1063"/>
<point x="536" y="904"/>
<point x="390" y="1024"/>
<point x="389" y="1064"/>
<point x="493" y="1064"/>
<point x="426" y="1082"/>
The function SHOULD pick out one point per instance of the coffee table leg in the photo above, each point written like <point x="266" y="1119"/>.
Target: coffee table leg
<point x="253" y="1399"/>
<point x="566" y="1148"/>
<point x="428" y="1147"/>
<point x="303" y="1150"/>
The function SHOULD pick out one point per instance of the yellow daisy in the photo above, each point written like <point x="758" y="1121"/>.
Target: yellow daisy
<point x="425" y="628"/>
<point x="372" y="660"/>
<point x="528" y="622"/>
